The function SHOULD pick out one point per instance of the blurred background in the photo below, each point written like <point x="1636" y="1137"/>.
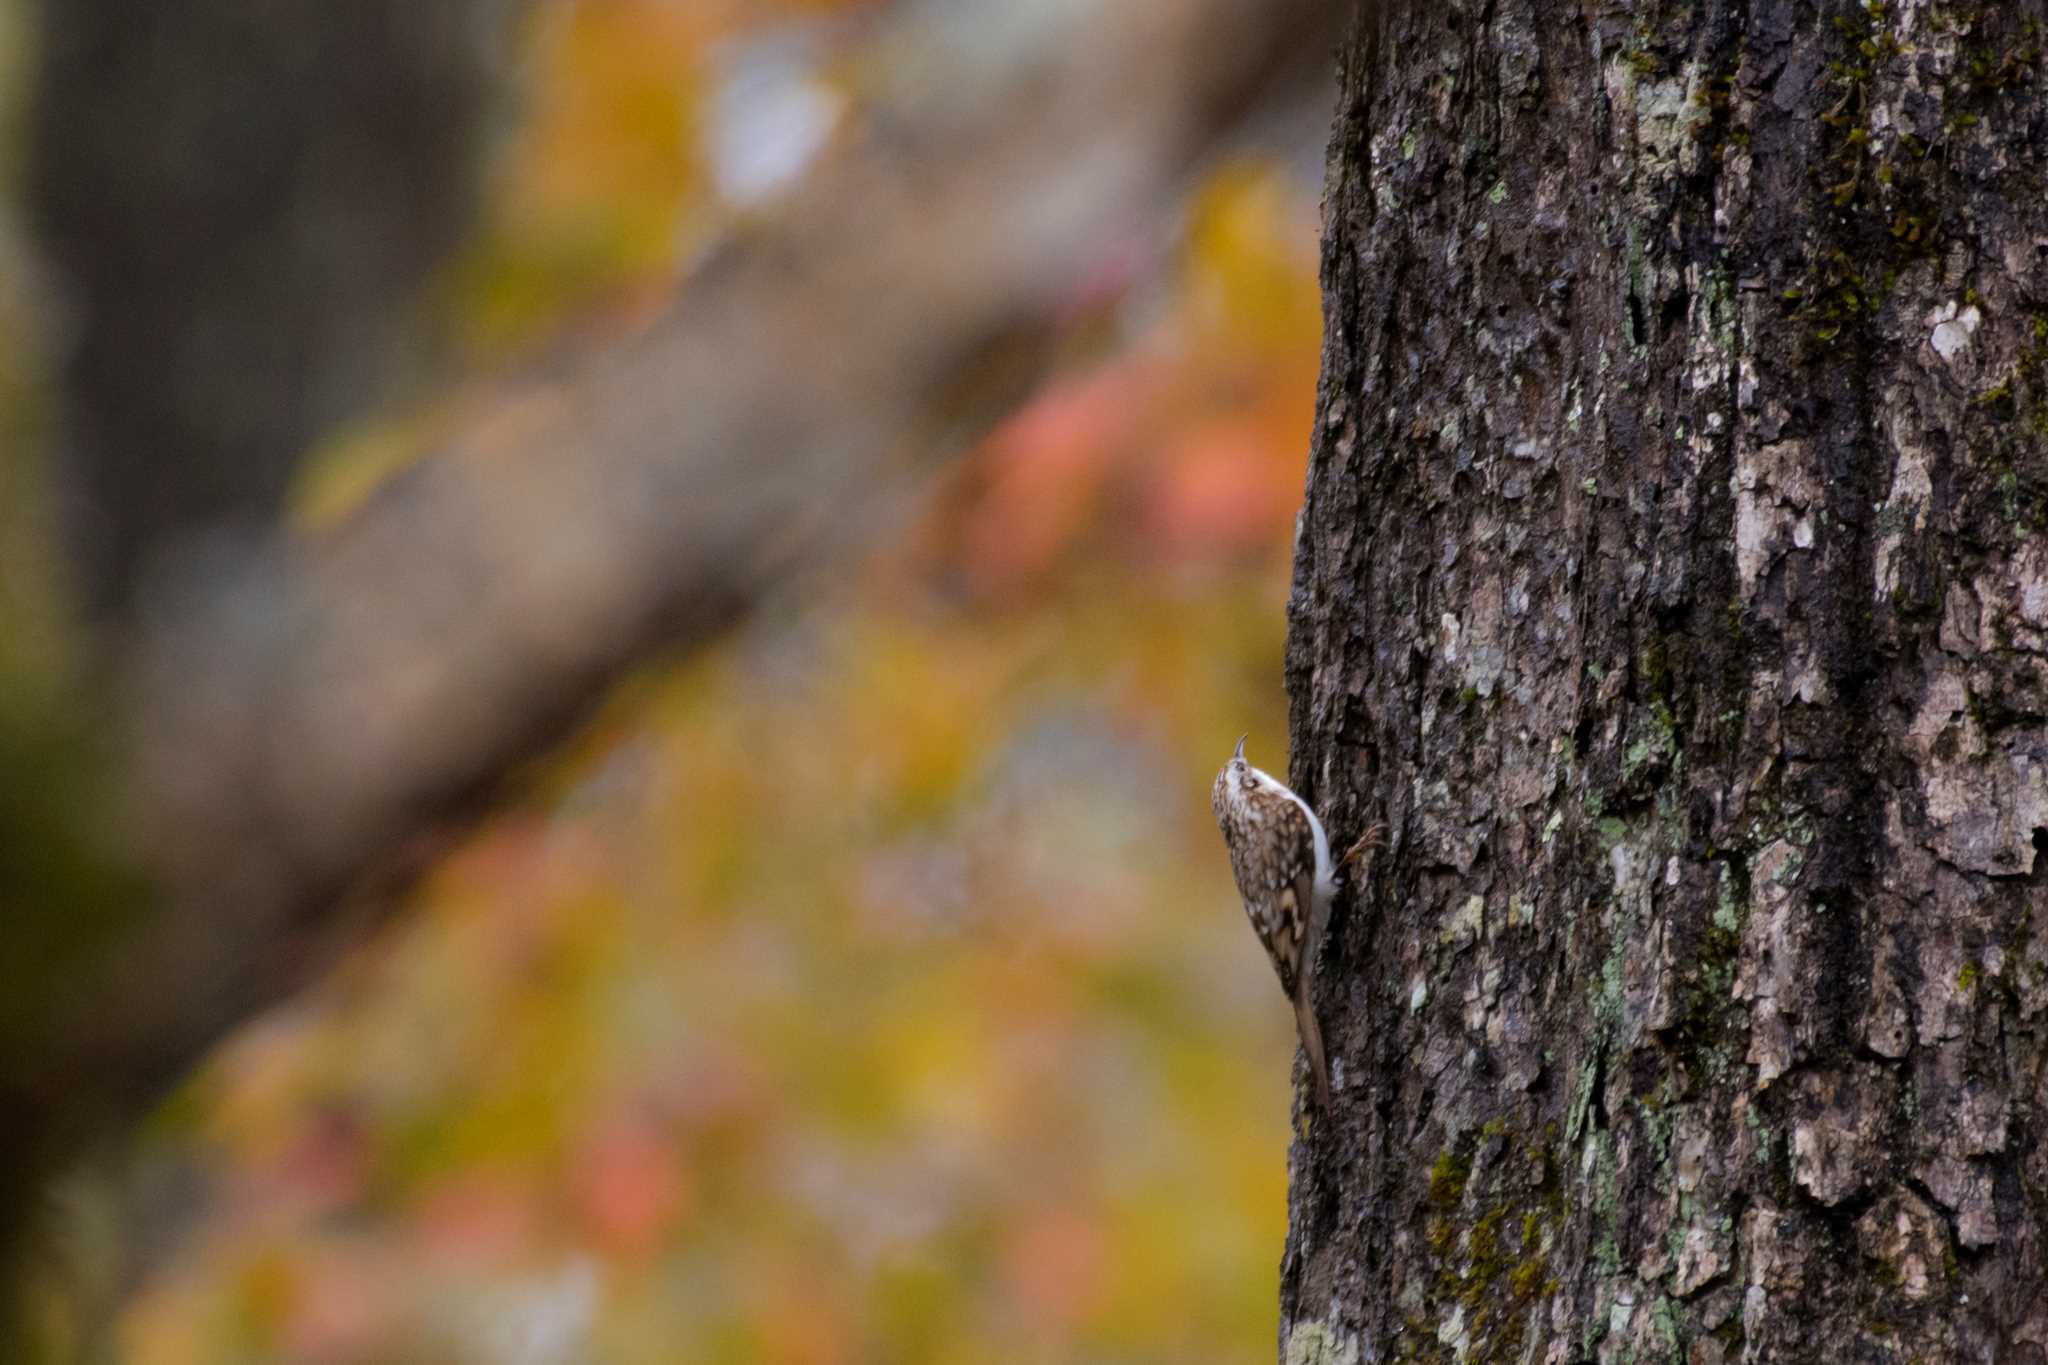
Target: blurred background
<point x="869" y="984"/>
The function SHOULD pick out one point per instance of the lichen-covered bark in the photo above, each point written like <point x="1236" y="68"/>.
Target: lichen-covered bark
<point x="1671" y="584"/>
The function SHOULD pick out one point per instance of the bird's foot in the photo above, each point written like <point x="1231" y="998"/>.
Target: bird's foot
<point x="1373" y="837"/>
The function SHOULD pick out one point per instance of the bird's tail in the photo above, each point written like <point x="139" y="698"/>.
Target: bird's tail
<point x="1312" y="1043"/>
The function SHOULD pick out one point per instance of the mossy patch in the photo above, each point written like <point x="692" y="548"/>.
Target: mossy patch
<point x="1881" y="190"/>
<point x="1493" y="1205"/>
<point x="1447" y="1179"/>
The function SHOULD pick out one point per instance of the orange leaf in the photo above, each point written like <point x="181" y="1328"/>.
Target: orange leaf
<point x="628" y="1188"/>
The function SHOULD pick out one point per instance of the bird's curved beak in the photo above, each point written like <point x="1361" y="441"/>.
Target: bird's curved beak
<point x="1239" y="755"/>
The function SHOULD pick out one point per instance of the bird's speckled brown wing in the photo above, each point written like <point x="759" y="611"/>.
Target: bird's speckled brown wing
<point x="1275" y="871"/>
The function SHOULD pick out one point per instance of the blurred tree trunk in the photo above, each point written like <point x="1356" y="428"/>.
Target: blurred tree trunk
<point x="1671" y="584"/>
<point x="243" y="202"/>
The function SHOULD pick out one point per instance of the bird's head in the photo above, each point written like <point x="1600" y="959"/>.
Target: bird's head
<point x="1236" y="775"/>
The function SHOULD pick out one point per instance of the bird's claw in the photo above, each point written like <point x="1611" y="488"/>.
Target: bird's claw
<point x="1371" y="839"/>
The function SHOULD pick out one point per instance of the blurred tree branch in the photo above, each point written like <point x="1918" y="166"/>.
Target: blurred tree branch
<point x="308" y="714"/>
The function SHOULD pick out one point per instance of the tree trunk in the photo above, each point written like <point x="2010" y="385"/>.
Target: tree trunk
<point x="245" y="202"/>
<point x="1670" y="585"/>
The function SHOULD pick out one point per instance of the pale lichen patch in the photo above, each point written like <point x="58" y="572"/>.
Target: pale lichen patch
<point x="1701" y="1260"/>
<point x="1774" y="487"/>
<point x="1953" y="325"/>
<point x="1451" y="1332"/>
<point x="1904" y="510"/>
<point x="1464" y="924"/>
<point x="1315" y="1343"/>
<point x="1668" y="119"/>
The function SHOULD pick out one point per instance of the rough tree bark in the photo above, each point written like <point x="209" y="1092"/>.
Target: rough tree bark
<point x="1671" y="584"/>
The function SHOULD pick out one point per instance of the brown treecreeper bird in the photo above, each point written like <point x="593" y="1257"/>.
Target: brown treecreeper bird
<point x="1280" y="856"/>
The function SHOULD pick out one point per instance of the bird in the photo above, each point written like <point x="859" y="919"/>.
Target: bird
<point x="1280" y="856"/>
